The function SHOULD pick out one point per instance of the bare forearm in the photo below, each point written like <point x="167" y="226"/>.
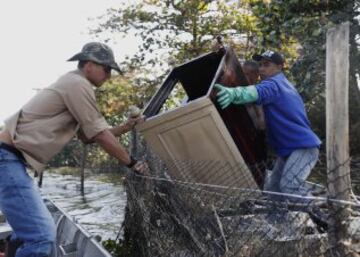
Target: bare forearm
<point x="128" y="125"/>
<point x="109" y="143"/>
<point x="119" y="130"/>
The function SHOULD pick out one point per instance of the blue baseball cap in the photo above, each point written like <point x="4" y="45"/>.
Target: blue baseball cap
<point x="269" y="55"/>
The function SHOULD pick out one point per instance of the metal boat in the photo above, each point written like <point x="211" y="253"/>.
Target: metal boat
<point x="72" y="239"/>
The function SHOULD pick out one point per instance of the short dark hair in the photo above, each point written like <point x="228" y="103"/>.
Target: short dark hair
<point x="253" y="64"/>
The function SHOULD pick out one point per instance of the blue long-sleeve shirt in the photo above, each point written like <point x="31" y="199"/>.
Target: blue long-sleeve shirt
<point x="287" y="125"/>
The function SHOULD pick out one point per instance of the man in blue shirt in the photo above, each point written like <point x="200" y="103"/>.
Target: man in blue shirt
<point x="288" y="128"/>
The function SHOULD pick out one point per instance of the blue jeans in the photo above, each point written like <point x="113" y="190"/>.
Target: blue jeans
<point x="290" y="173"/>
<point x="24" y="209"/>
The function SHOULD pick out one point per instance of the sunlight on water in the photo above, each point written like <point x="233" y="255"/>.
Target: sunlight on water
<point x="100" y="211"/>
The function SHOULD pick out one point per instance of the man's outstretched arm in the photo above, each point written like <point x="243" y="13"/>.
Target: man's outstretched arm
<point x="110" y="144"/>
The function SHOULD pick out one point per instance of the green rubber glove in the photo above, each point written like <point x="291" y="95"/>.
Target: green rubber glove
<point x="235" y="95"/>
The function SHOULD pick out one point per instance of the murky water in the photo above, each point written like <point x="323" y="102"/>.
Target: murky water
<point x="100" y="211"/>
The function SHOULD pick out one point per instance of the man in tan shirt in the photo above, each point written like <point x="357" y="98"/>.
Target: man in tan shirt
<point x="41" y="129"/>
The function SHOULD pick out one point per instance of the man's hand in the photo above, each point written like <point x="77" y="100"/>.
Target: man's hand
<point x="131" y="122"/>
<point x="217" y="44"/>
<point x="225" y="95"/>
<point x="135" y="117"/>
<point x="141" y="168"/>
<point x="236" y="95"/>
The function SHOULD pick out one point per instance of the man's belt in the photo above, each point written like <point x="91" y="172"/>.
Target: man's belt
<point x="12" y="149"/>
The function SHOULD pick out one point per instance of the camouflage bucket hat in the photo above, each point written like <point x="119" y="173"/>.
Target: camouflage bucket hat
<point x="97" y="52"/>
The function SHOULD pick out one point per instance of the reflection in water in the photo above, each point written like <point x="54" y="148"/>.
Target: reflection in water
<point x="100" y="211"/>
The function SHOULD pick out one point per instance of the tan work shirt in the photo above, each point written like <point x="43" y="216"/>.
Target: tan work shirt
<point x="52" y="118"/>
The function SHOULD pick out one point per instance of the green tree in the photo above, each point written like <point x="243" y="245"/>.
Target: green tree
<point x="172" y="32"/>
<point x="116" y="95"/>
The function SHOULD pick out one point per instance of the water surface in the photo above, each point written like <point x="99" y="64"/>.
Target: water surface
<point x="100" y="211"/>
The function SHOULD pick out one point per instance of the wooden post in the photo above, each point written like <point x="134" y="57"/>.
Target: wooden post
<point x="82" y="169"/>
<point x="337" y="137"/>
<point x="40" y="179"/>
